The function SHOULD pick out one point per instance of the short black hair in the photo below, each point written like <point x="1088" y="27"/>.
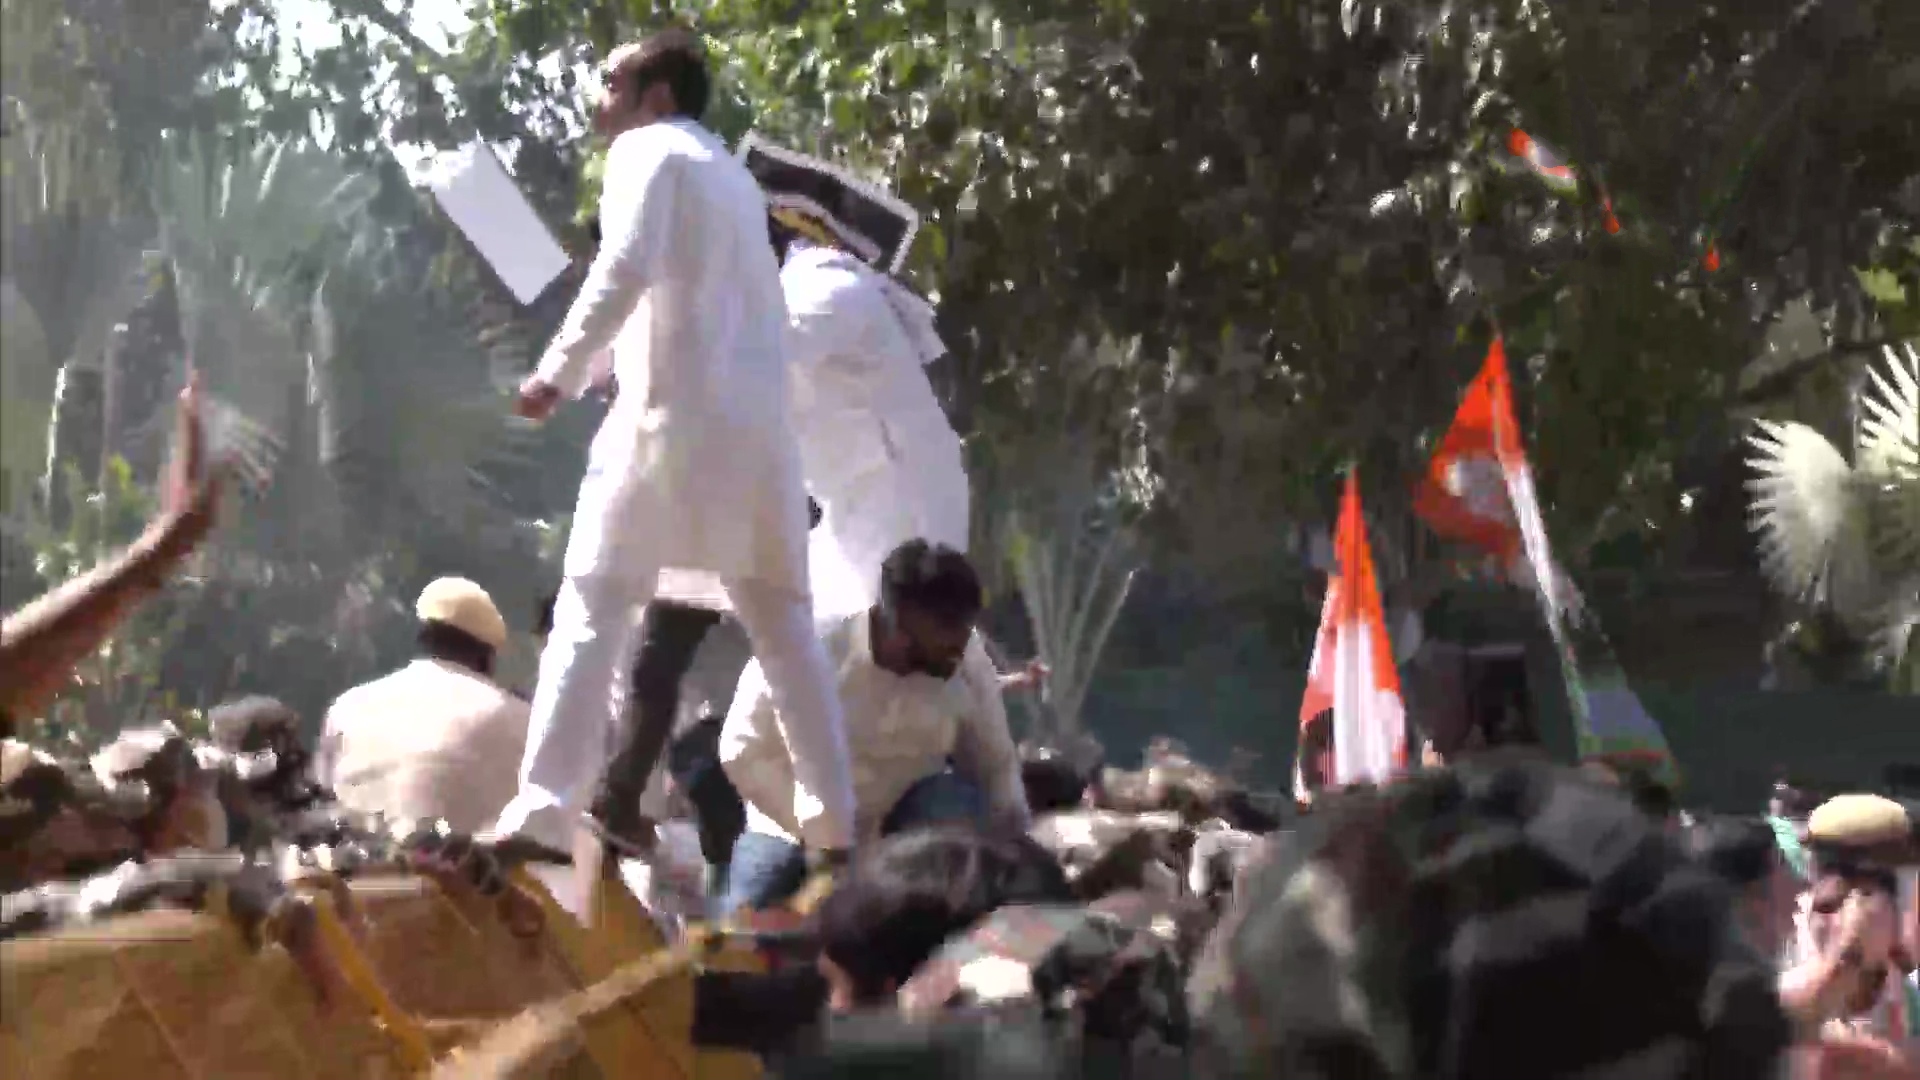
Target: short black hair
<point x="674" y="57"/>
<point x="915" y="890"/>
<point x="933" y="579"/>
<point x="1741" y="851"/>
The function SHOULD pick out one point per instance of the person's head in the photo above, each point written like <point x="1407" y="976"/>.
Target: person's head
<point x="1859" y="842"/>
<point x="910" y="893"/>
<point x="263" y="733"/>
<point x="662" y="77"/>
<point x="1745" y="853"/>
<point x="930" y="597"/>
<point x="459" y="625"/>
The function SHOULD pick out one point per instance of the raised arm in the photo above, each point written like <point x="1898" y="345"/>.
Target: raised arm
<point x="636" y="211"/>
<point x="40" y="643"/>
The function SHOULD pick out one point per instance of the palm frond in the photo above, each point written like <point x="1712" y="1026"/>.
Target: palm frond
<point x="1803" y="508"/>
<point x="1889" y="443"/>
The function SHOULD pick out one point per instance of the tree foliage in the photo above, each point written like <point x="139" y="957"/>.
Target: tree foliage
<point x="1304" y="215"/>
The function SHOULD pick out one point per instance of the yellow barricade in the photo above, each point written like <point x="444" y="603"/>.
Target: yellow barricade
<point x="177" y="996"/>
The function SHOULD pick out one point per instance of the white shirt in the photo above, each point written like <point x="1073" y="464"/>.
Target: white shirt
<point x="432" y="740"/>
<point x="900" y="728"/>
<point x="694" y="468"/>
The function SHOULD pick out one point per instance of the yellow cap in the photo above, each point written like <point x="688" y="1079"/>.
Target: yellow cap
<point x="466" y="607"/>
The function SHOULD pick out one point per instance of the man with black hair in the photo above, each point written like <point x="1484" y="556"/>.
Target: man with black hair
<point x="693" y="489"/>
<point x="439" y="738"/>
<point x="925" y="721"/>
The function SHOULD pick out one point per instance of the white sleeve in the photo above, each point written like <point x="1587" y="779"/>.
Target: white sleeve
<point x="637" y="207"/>
<point x="984" y="751"/>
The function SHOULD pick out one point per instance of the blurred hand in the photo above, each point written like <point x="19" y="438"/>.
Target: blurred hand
<point x="537" y="398"/>
<point x="1031" y="677"/>
<point x="1868" y="921"/>
<point x="190" y="491"/>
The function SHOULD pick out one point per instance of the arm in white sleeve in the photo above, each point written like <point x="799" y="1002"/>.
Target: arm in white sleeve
<point x="984" y="750"/>
<point x="636" y="212"/>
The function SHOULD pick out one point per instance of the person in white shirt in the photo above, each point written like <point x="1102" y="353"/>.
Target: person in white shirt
<point x="925" y="722"/>
<point x="878" y="451"/>
<point x="693" y="482"/>
<point x="438" y="738"/>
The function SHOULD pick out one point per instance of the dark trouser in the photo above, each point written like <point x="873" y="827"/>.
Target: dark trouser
<point x="670" y="635"/>
<point x="767" y="870"/>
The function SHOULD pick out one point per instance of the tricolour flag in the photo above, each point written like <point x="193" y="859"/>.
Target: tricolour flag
<point x="1549" y="166"/>
<point x="1352" y="672"/>
<point x="1479" y="489"/>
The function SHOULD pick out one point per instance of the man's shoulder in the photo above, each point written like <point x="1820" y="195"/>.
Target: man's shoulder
<point x="671" y="141"/>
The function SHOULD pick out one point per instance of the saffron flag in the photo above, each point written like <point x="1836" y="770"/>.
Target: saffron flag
<point x="1479" y="490"/>
<point x="1352" y="671"/>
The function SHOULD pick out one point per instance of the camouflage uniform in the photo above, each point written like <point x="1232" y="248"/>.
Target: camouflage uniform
<point x="1501" y="920"/>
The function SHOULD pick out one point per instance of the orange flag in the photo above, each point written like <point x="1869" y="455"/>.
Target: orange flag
<point x="1478" y="489"/>
<point x="1352" y="671"/>
<point x="1464" y="494"/>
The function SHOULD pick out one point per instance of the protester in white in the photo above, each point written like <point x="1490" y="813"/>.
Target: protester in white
<point x="880" y="456"/>
<point x="694" y="471"/>
<point x="924" y="717"/>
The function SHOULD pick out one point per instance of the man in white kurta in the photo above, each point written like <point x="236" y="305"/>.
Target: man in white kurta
<point x="879" y="454"/>
<point x="694" y="470"/>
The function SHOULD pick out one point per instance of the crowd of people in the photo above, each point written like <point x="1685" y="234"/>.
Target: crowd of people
<point x="962" y="904"/>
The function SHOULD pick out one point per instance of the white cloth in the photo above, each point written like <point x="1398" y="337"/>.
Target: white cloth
<point x="432" y="740"/>
<point x="879" y="454"/>
<point x="694" y="470"/>
<point x="696" y="458"/>
<point x="900" y="728"/>
<point x="476" y="192"/>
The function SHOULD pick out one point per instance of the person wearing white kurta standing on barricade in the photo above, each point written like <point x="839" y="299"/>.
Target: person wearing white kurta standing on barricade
<point x="880" y="455"/>
<point x="694" y="470"/>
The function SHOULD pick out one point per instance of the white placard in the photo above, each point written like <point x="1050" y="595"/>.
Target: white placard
<point x="482" y="199"/>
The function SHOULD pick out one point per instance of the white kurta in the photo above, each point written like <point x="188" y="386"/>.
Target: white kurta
<point x="693" y="468"/>
<point x="878" y="451"/>
<point x="694" y="471"/>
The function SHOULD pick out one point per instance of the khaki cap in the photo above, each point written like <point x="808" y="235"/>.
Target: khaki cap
<point x="466" y="607"/>
<point x="1860" y="821"/>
